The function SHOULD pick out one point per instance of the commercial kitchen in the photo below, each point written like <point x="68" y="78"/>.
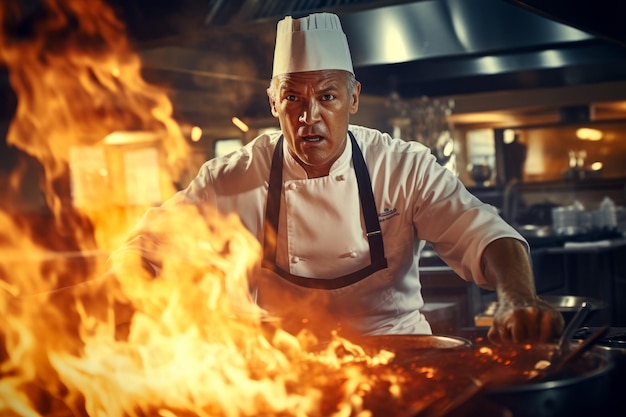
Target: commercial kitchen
<point x="523" y="100"/>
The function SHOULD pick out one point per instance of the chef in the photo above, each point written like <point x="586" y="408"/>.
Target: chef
<point x="343" y="211"/>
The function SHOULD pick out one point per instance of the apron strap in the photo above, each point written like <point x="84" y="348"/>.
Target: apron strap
<point x="370" y="216"/>
<point x="368" y="205"/>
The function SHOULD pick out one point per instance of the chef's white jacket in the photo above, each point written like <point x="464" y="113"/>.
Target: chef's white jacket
<point x="321" y="230"/>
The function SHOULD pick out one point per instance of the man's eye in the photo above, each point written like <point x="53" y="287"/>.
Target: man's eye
<point x="328" y="97"/>
<point x="290" y="98"/>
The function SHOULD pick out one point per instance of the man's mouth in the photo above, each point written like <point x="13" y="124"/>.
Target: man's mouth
<point x="312" y="138"/>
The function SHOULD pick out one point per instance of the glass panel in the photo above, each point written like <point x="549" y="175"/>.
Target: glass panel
<point x="225" y="146"/>
<point x="570" y="152"/>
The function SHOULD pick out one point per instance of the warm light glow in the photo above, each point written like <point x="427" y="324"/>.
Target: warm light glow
<point x="597" y="166"/>
<point x="585" y="133"/>
<point x="196" y="134"/>
<point x="448" y="149"/>
<point x="130" y="138"/>
<point x="490" y="118"/>
<point x="240" y="124"/>
<point x="509" y="136"/>
<point x="226" y="146"/>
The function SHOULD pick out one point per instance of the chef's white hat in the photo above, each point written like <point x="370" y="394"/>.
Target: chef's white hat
<point x="312" y="43"/>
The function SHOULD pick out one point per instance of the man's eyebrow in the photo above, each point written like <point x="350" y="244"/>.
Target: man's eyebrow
<point x="329" y="86"/>
<point x="295" y="87"/>
<point x="289" y="87"/>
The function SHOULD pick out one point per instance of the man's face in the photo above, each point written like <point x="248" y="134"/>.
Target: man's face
<point x="314" y="109"/>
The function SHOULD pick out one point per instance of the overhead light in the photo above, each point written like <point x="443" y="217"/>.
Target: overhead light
<point x="509" y="136"/>
<point x="585" y="133"/>
<point x="597" y="166"/>
<point x="240" y="124"/>
<point x="195" y="134"/>
<point x="448" y="148"/>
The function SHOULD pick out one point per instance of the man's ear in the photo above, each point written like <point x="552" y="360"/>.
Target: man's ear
<point x="272" y="103"/>
<point x="354" y="105"/>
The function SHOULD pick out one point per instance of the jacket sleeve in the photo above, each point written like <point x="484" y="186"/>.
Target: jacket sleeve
<point x="151" y="237"/>
<point x="457" y="224"/>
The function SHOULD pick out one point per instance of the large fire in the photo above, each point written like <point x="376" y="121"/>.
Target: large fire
<point x="76" y="340"/>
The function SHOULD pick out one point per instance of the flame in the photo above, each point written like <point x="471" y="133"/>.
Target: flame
<point x="85" y="337"/>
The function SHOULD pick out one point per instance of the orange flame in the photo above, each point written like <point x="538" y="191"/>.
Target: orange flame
<point x="77" y="340"/>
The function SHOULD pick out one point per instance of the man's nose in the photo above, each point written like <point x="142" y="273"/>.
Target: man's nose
<point x="310" y="112"/>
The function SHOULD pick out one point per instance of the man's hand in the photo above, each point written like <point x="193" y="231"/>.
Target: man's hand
<point x="536" y="321"/>
<point x="521" y="317"/>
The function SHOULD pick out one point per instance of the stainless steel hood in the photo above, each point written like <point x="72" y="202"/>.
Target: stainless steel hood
<point x="453" y="47"/>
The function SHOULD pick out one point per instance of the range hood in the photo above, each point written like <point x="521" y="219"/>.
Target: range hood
<point x="452" y="47"/>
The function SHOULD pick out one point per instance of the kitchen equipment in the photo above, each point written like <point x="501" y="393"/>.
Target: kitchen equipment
<point x="612" y="344"/>
<point x="539" y="213"/>
<point x="400" y="342"/>
<point x="480" y="173"/>
<point x="563" y="356"/>
<point x="448" y="376"/>
<point x="569" y="304"/>
<point x="535" y="230"/>
<point x="583" y="391"/>
<point x="553" y="372"/>
<point x="407" y="347"/>
<point x="562" y="346"/>
<point x="566" y="221"/>
<point x="495" y="378"/>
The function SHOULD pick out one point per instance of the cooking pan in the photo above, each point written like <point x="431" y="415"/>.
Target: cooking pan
<point x="408" y="347"/>
<point x="582" y="388"/>
<point x="503" y="372"/>
<point x="613" y="345"/>
<point x="402" y="342"/>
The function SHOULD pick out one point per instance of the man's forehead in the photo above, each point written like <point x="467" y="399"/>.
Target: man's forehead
<point x="312" y="77"/>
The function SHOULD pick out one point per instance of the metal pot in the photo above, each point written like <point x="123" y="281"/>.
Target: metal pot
<point x="534" y="230"/>
<point x="480" y="173"/>
<point x="583" y="391"/>
<point x="613" y="344"/>
<point x="569" y="304"/>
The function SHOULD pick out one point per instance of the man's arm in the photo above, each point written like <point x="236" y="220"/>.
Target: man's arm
<point x="521" y="316"/>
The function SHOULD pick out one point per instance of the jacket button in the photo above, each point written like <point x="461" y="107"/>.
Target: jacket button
<point x="340" y="178"/>
<point x="295" y="259"/>
<point x="292" y="186"/>
<point x="353" y="254"/>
